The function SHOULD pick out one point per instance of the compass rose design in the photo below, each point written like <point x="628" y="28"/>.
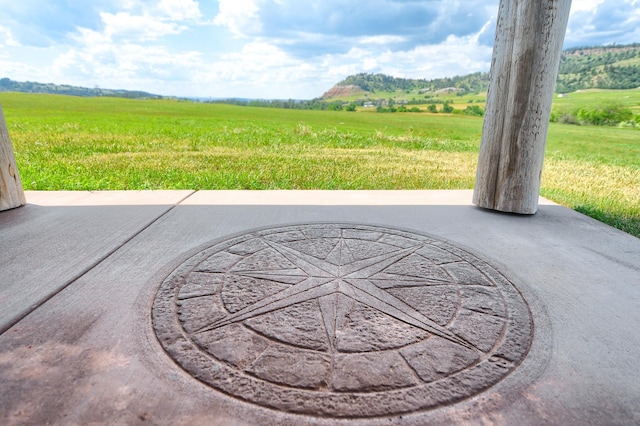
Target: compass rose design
<point x="342" y="320"/>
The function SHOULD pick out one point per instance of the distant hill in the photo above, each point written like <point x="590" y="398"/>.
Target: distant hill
<point x="375" y="83"/>
<point x="603" y="67"/>
<point x="8" y="85"/>
<point x="610" y="67"/>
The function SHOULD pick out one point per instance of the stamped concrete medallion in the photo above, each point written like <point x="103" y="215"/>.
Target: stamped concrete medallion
<point x="342" y="320"/>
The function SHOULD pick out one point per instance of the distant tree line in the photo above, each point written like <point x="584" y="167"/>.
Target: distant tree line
<point x="8" y="85"/>
<point x="446" y="108"/>
<point x="314" y="104"/>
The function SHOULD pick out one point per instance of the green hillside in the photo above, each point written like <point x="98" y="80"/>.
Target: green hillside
<point x="603" y="67"/>
<point x="614" y="67"/>
<point x="8" y="85"/>
<point x="374" y="83"/>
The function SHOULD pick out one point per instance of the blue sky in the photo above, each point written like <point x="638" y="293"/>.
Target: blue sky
<point x="266" y="48"/>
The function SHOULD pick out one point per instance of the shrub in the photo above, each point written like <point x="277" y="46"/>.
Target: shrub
<point x="569" y="119"/>
<point x="474" y="110"/>
<point x="608" y="115"/>
<point x="447" y="108"/>
<point x="383" y="109"/>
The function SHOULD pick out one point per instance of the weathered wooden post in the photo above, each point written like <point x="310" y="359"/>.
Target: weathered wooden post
<point x="526" y="56"/>
<point x="11" y="193"/>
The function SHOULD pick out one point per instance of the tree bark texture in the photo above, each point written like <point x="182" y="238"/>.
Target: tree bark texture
<point x="11" y="192"/>
<point x="524" y="69"/>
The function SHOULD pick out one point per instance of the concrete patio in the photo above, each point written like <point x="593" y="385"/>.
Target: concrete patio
<point x="81" y="274"/>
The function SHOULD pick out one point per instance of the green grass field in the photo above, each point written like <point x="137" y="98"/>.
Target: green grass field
<point x="595" y="98"/>
<point x="67" y="143"/>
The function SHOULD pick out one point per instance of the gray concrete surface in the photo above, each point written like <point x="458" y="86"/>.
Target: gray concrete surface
<point x="79" y="274"/>
<point x="46" y="245"/>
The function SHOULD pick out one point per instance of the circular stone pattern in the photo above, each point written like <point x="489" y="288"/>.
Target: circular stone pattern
<point x="342" y="320"/>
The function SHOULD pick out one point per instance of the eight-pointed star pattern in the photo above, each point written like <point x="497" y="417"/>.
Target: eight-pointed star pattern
<point x="342" y="320"/>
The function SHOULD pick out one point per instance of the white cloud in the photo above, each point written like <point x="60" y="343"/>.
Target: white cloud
<point x="314" y="28"/>
<point x="180" y="10"/>
<point x="382" y="39"/>
<point x="120" y="55"/>
<point x="128" y="4"/>
<point x="239" y="16"/>
<point x="6" y="37"/>
<point x="604" y="22"/>
<point x="258" y="67"/>
<point x="456" y="56"/>
<point x="585" y="5"/>
<point x="143" y="28"/>
<point x="128" y="66"/>
<point x="172" y="10"/>
<point x="145" y="23"/>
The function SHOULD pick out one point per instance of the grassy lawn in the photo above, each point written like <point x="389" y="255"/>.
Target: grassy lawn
<point x="67" y="143"/>
<point x="594" y="98"/>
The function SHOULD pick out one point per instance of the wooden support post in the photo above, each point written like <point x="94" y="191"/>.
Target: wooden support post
<point x="11" y="193"/>
<point x="524" y="69"/>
